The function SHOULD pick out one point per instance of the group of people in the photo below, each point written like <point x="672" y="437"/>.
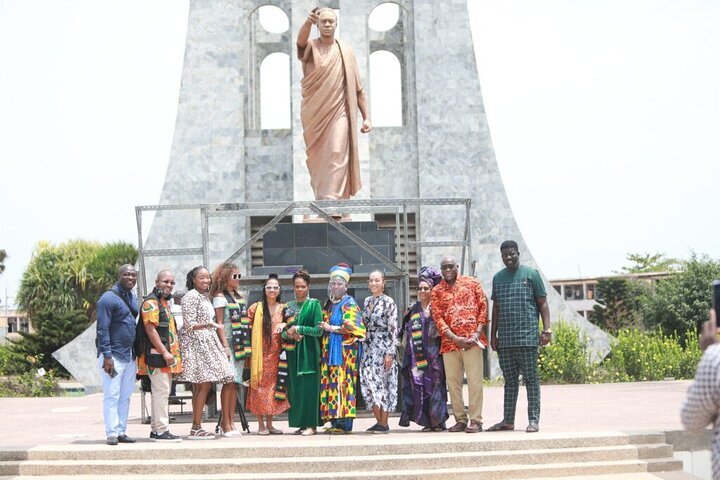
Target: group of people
<point x="310" y="359"/>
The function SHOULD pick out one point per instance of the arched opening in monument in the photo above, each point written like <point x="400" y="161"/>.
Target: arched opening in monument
<point x="273" y="19"/>
<point x="386" y="87"/>
<point x="384" y="17"/>
<point x="275" y="91"/>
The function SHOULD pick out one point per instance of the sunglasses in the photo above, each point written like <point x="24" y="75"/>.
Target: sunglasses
<point x="235" y="276"/>
<point x="424" y="289"/>
<point x="272" y="287"/>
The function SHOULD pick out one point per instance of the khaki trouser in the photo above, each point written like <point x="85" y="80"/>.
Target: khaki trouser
<point x="469" y="362"/>
<point x="160" y="384"/>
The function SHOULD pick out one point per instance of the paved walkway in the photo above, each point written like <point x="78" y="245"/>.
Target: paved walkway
<point x="565" y="408"/>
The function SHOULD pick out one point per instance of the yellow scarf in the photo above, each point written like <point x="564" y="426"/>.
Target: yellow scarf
<point x="256" y="361"/>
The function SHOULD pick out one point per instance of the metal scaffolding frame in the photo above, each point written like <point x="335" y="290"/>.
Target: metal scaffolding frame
<point x="326" y="210"/>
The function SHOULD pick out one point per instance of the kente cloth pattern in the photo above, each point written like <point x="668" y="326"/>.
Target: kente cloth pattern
<point x="424" y="392"/>
<point x="261" y="398"/>
<point x="338" y="383"/>
<point x="460" y="308"/>
<point x="236" y="326"/>
<point x="379" y="386"/>
<point x="204" y="358"/>
<point x="150" y="313"/>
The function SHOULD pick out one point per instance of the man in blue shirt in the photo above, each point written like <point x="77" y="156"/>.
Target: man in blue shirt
<point x="117" y="310"/>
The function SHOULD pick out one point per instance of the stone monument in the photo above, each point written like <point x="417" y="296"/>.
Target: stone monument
<point x="443" y="148"/>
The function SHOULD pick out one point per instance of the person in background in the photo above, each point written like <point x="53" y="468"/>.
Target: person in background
<point x="702" y="404"/>
<point x="117" y="310"/>
<point x="424" y="391"/>
<point x="159" y="355"/>
<point x="266" y="325"/>
<point x="340" y="354"/>
<point x="303" y="319"/>
<point x="230" y="307"/>
<point x="205" y="359"/>
<point x="378" y="369"/>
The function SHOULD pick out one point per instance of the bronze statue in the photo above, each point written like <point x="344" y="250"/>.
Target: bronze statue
<point x="331" y="97"/>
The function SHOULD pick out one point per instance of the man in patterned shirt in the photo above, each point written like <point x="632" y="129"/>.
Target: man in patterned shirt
<point x="159" y="358"/>
<point x="459" y="309"/>
<point x="518" y="296"/>
<point x="702" y="405"/>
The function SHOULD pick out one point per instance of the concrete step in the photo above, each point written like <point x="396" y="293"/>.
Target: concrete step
<point x="253" y="446"/>
<point x="622" y="468"/>
<point x="349" y="463"/>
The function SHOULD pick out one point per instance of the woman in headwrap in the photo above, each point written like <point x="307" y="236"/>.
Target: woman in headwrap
<point x="266" y="324"/>
<point x="424" y="393"/>
<point x="341" y="350"/>
<point x="303" y="317"/>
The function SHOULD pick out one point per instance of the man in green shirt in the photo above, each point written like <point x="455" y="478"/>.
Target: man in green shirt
<point x="518" y="296"/>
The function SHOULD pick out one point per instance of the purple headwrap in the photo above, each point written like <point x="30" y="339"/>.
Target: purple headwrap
<point x="430" y="275"/>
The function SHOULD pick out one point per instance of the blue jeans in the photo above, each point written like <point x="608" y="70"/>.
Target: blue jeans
<point x="116" y="395"/>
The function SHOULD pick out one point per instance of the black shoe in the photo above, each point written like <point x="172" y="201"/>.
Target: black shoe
<point x="166" y="437"/>
<point x="125" y="439"/>
<point x="153" y="436"/>
<point x="372" y="429"/>
<point x="112" y="440"/>
<point x="381" y="429"/>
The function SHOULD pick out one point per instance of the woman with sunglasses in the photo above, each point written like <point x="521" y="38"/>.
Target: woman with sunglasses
<point x="424" y="393"/>
<point x="266" y="324"/>
<point x="230" y="306"/>
<point x="204" y="359"/>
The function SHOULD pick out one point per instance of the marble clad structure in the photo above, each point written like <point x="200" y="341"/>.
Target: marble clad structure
<point x="443" y="148"/>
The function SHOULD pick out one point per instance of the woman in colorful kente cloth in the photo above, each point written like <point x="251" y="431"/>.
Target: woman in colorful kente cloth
<point x="424" y="393"/>
<point x="301" y="345"/>
<point x="341" y="350"/>
<point x="378" y="369"/>
<point x="266" y="324"/>
<point x="230" y="307"/>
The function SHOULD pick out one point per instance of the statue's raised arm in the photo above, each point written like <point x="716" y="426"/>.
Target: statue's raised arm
<point x="332" y="95"/>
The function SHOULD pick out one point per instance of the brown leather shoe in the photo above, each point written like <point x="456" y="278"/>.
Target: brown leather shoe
<point x="474" y="427"/>
<point x="458" y="427"/>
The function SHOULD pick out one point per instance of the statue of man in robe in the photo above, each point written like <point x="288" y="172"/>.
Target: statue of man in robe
<point x="331" y="97"/>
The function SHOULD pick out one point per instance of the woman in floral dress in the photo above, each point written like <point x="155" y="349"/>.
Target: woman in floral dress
<point x="266" y="325"/>
<point x="205" y="360"/>
<point x="378" y="369"/>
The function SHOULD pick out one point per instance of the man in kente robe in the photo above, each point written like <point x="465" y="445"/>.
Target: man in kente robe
<point x="332" y="95"/>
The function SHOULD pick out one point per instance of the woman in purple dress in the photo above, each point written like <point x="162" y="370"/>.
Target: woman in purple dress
<point x="424" y="392"/>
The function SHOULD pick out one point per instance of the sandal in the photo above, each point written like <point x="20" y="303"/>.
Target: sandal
<point x="309" y="431"/>
<point x="263" y="432"/>
<point x="501" y="427"/>
<point x="299" y="431"/>
<point x="427" y="429"/>
<point x="200" y="434"/>
<point x="275" y="431"/>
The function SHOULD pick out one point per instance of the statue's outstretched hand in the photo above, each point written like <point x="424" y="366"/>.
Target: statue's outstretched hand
<point x="313" y="16"/>
<point x="366" y="126"/>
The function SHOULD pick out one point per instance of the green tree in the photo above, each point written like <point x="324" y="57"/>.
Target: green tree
<point x="647" y="263"/>
<point x="618" y="304"/>
<point x="681" y="302"/>
<point x="59" y="289"/>
<point x="3" y="256"/>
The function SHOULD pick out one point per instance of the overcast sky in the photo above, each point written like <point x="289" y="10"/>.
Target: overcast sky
<point x="612" y="106"/>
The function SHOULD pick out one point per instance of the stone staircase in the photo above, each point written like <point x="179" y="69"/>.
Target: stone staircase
<point x="511" y="455"/>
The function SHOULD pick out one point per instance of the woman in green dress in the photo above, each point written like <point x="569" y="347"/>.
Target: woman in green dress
<point x="301" y="345"/>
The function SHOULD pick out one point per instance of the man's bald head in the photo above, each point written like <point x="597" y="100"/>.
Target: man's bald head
<point x="449" y="269"/>
<point x="127" y="276"/>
